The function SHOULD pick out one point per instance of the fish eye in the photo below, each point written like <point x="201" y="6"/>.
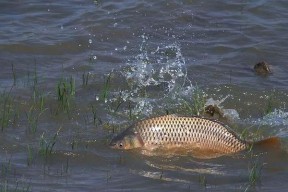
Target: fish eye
<point x="121" y="145"/>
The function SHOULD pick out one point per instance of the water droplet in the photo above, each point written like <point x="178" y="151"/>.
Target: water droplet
<point x="90" y="41"/>
<point x="94" y="57"/>
<point x="97" y="98"/>
<point x="124" y="48"/>
<point x="115" y="24"/>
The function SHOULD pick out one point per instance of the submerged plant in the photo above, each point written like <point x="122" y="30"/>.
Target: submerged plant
<point x="105" y="91"/>
<point x="203" y="180"/>
<point x="96" y="119"/>
<point x="65" y="91"/>
<point x="195" y="105"/>
<point x="6" y="109"/>
<point x="46" y="145"/>
<point x="270" y="105"/>
<point x="255" y="172"/>
<point x="85" y="79"/>
<point x="198" y="101"/>
<point x="14" y="75"/>
<point x="29" y="156"/>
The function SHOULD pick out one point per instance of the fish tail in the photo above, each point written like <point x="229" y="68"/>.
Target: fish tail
<point x="269" y="143"/>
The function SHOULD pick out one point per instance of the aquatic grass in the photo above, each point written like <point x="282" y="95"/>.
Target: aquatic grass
<point x="96" y="120"/>
<point x="33" y="116"/>
<point x="198" y="99"/>
<point x="119" y="102"/>
<point x="195" y="105"/>
<point x="74" y="143"/>
<point x="32" y="119"/>
<point x="6" y="109"/>
<point x="46" y="145"/>
<point x="42" y="101"/>
<point x="65" y="91"/>
<point x="202" y="180"/>
<point x="34" y="83"/>
<point x="13" y="74"/>
<point x="85" y="78"/>
<point x="269" y="105"/>
<point x="6" y="168"/>
<point x="29" y="156"/>
<point x="106" y="88"/>
<point x="6" y="187"/>
<point x="255" y="172"/>
<point x="255" y="167"/>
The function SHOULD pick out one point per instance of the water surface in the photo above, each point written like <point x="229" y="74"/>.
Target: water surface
<point x="122" y="61"/>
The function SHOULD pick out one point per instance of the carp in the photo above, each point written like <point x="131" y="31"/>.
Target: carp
<point x="193" y="133"/>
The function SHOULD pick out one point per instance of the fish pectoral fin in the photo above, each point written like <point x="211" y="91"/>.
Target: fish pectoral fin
<point x="269" y="143"/>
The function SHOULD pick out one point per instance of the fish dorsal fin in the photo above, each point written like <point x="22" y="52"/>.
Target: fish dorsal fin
<point x="272" y="143"/>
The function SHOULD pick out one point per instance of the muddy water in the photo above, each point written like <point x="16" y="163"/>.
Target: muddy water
<point x="75" y="73"/>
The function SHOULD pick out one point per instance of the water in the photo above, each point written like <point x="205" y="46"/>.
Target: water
<point x="130" y="60"/>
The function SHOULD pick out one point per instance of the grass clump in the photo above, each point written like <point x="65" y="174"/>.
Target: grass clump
<point x="46" y="145"/>
<point x="105" y="92"/>
<point x="30" y="155"/>
<point x="255" y="172"/>
<point x="203" y="180"/>
<point x="85" y="79"/>
<point x="270" y="105"/>
<point x="195" y="105"/>
<point x="6" y="109"/>
<point x="65" y="91"/>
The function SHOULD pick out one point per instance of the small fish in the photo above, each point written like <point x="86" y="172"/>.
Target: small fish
<point x="193" y="133"/>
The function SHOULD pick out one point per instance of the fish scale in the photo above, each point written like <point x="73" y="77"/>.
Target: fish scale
<point x="172" y="131"/>
<point x="200" y="137"/>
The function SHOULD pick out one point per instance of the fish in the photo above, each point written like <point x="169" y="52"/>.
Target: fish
<point x="199" y="134"/>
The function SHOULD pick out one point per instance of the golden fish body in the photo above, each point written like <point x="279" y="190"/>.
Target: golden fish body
<point x="172" y="131"/>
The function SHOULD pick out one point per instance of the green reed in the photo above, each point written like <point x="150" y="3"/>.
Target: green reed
<point x="269" y="105"/>
<point x="29" y="156"/>
<point x="65" y="91"/>
<point x="202" y="180"/>
<point x="198" y="99"/>
<point x="6" y="109"/>
<point x="32" y="119"/>
<point x="42" y="101"/>
<point x="46" y="145"/>
<point x="96" y="120"/>
<point x="85" y="78"/>
<point x="106" y="88"/>
<point x="255" y="167"/>
<point x="13" y="74"/>
<point x="6" y="168"/>
<point x="195" y="105"/>
<point x="255" y="170"/>
<point x="20" y="186"/>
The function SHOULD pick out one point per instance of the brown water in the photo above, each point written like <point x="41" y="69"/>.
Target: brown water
<point x="141" y="59"/>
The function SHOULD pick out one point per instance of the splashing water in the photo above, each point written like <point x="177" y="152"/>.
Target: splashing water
<point x="275" y="118"/>
<point x="152" y="77"/>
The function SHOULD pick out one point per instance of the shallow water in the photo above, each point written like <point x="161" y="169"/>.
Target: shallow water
<point x="129" y="60"/>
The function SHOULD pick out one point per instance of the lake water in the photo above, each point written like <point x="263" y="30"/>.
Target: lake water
<point x="75" y="73"/>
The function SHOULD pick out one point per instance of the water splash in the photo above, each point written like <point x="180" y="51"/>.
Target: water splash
<point x="275" y="118"/>
<point x="152" y="77"/>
